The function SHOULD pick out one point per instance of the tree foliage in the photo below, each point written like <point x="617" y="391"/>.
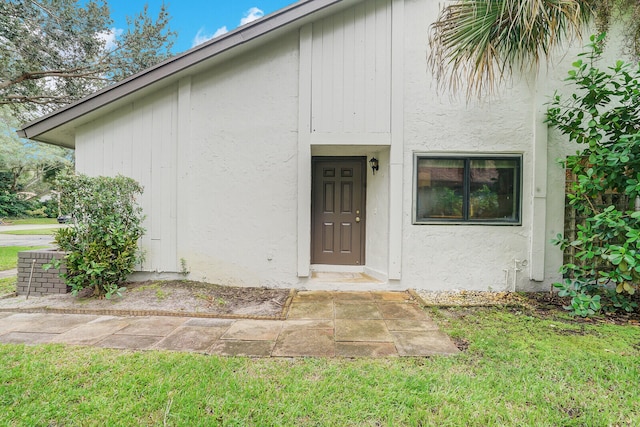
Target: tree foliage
<point x="626" y="12"/>
<point x="53" y="52"/>
<point x="102" y="245"/>
<point x="29" y="165"/>
<point x="475" y="44"/>
<point x="11" y="204"/>
<point x="602" y="115"/>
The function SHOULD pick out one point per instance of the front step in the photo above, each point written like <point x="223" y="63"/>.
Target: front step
<point x="340" y="277"/>
<point x="343" y="281"/>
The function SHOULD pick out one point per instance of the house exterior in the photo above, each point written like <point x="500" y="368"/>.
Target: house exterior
<point x="255" y="150"/>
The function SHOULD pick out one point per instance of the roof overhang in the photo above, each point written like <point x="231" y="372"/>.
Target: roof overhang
<point x="58" y="128"/>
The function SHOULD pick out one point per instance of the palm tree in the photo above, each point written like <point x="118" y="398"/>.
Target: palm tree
<point x="475" y="44"/>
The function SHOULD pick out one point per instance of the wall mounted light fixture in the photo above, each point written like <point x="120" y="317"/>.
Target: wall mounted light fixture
<point x="374" y="165"/>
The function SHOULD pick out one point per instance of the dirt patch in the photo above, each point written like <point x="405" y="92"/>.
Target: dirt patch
<point x="545" y="304"/>
<point x="539" y="304"/>
<point x="180" y="296"/>
<point x="461" y="343"/>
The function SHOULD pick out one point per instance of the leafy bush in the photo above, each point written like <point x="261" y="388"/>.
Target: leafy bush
<point x="50" y="207"/>
<point x="13" y="206"/>
<point x="38" y="212"/>
<point x="102" y="244"/>
<point x="603" y="114"/>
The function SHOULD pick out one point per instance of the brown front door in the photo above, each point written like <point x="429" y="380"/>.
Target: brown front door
<point x="337" y="210"/>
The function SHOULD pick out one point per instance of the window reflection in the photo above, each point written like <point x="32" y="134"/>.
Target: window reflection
<point x="468" y="189"/>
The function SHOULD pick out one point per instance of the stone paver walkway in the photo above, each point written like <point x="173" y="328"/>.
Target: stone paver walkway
<point x="319" y="324"/>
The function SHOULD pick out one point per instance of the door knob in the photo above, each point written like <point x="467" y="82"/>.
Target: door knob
<point x="357" y="219"/>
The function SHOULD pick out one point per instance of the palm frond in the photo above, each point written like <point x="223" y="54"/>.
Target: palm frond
<point x="475" y="44"/>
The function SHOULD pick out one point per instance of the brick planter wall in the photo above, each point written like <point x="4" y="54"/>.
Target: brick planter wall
<point x="42" y="281"/>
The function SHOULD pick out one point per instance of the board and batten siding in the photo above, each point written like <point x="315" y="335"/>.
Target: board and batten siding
<point x="351" y="76"/>
<point x="140" y="141"/>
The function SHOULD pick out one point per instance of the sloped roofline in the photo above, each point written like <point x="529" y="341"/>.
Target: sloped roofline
<point x="171" y="66"/>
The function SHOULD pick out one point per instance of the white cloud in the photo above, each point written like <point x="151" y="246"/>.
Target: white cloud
<point x="110" y="36"/>
<point x="251" y="15"/>
<point x="202" y="37"/>
<point x="220" y="31"/>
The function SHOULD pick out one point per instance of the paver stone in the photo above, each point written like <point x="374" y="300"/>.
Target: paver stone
<point x="311" y="310"/>
<point x="366" y="349"/>
<point x="26" y="338"/>
<point x="309" y="343"/>
<point x="152" y="325"/>
<point x="254" y="330"/>
<point x="362" y="330"/>
<point x="425" y="343"/>
<point x="242" y="348"/>
<point x="132" y="342"/>
<point x="363" y="310"/>
<point x="94" y="331"/>
<point x="191" y="338"/>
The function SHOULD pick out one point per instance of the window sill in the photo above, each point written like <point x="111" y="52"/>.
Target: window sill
<point x="444" y="221"/>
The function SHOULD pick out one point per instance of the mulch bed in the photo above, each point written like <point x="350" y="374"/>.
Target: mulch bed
<point x="167" y="296"/>
<point x="540" y="304"/>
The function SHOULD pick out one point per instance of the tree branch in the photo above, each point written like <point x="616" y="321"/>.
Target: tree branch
<point x="83" y="72"/>
<point x="40" y="100"/>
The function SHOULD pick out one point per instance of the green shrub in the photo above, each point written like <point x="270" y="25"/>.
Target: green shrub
<point x="13" y="206"/>
<point x="50" y="207"/>
<point x="37" y="212"/>
<point x="603" y="115"/>
<point x="102" y="244"/>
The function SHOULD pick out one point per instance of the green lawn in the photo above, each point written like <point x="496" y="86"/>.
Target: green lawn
<point x="39" y="232"/>
<point x="518" y="370"/>
<point x="23" y="221"/>
<point x="9" y="255"/>
<point x="8" y="285"/>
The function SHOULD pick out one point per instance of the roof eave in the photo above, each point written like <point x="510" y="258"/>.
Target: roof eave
<point x="240" y="36"/>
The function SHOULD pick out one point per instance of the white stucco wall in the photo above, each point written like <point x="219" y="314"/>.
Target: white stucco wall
<point x="242" y="169"/>
<point x="439" y="256"/>
<point x="377" y="244"/>
<point x="480" y="257"/>
<point x="225" y="158"/>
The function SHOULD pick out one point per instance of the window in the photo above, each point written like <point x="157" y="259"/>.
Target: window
<point x="472" y="189"/>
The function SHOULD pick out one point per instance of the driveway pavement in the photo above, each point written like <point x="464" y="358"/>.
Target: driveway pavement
<point x="318" y="324"/>
<point x="26" y="240"/>
<point x="8" y="273"/>
<point x="7" y="227"/>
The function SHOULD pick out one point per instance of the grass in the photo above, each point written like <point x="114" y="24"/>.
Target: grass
<point x="8" y="285"/>
<point x="518" y="370"/>
<point x="39" y="232"/>
<point x="26" y="221"/>
<point x="9" y="255"/>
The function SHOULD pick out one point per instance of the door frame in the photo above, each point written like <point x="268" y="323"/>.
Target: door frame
<point x="363" y="234"/>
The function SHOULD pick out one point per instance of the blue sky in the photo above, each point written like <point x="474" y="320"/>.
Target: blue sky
<point x="197" y="20"/>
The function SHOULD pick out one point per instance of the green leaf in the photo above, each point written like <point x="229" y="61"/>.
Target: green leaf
<point x="628" y="288"/>
<point x="629" y="259"/>
<point x="615" y="259"/>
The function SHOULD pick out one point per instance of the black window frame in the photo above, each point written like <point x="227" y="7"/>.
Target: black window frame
<point x="465" y="220"/>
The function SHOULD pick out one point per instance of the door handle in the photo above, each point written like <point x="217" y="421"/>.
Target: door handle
<point x="357" y="219"/>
